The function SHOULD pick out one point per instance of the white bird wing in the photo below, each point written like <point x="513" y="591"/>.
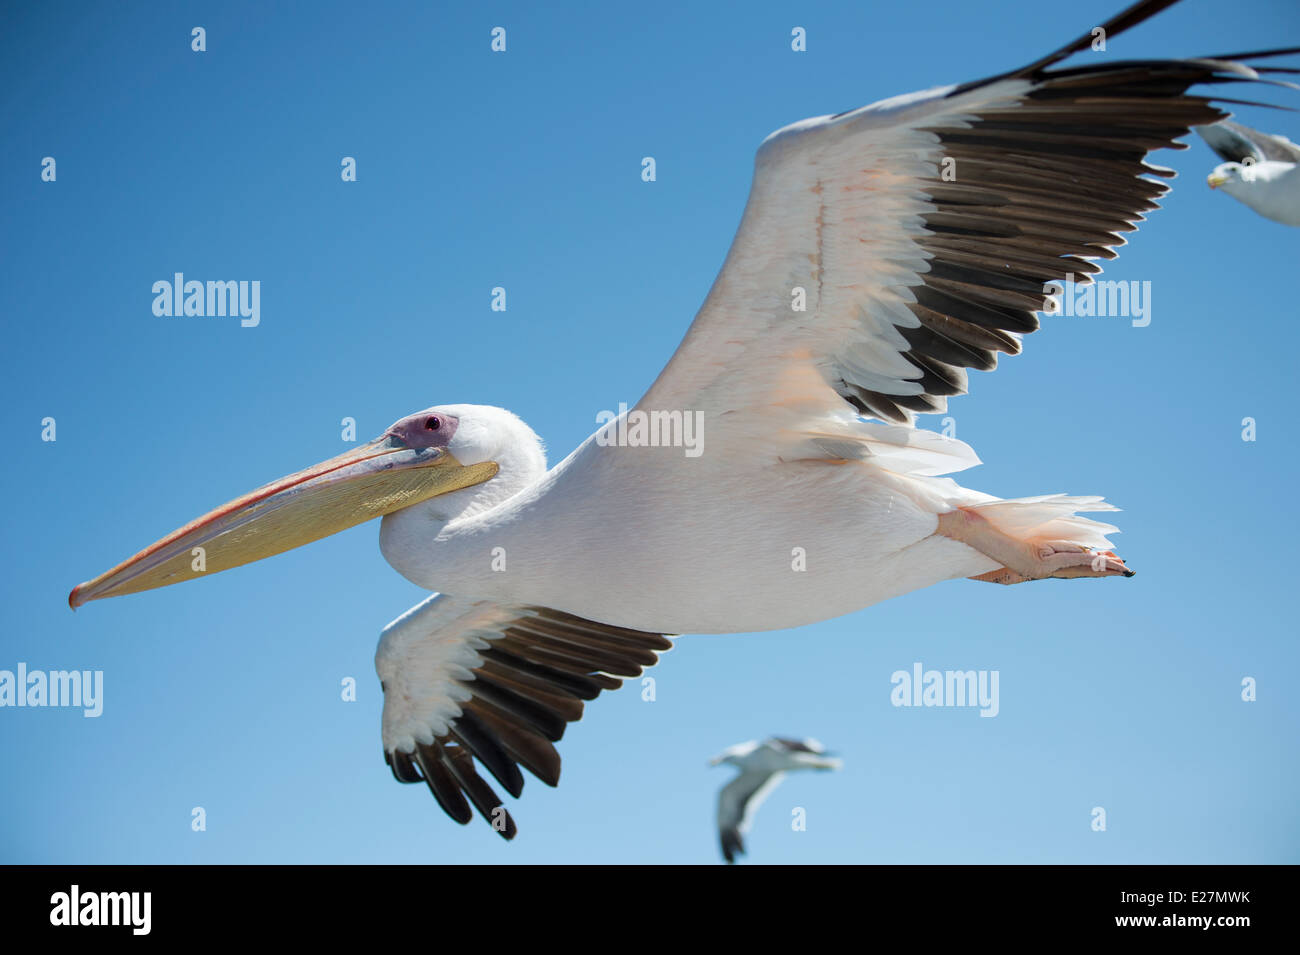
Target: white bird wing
<point x="738" y="801"/>
<point x="1235" y="142"/>
<point x="466" y="679"/>
<point x="804" y="753"/>
<point x="791" y="745"/>
<point x="921" y="232"/>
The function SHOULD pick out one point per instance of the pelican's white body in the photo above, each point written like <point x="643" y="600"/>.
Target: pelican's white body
<point x="796" y="510"/>
<point x="649" y="539"/>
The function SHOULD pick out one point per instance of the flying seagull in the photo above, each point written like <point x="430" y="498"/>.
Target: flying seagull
<point x="762" y="767"/>
<point x="555" y="584"/>
<point x="1262" y="170"/>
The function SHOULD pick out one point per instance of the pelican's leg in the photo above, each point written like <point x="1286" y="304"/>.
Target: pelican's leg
<point x="1023" y="560"/>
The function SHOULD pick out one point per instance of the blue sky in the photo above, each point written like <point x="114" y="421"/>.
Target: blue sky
<point x="522" y="170"/>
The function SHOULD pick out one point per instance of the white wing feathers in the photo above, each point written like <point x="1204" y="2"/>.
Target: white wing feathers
<point x="885" y="251"/>
<point x="424" y="659"/>
<point x="832" y="224"/>
<point x="468" y="680"/>
<point x="737" y="803"/>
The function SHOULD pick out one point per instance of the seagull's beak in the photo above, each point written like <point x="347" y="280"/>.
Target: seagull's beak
<point x="375" y="479"/>
<point x="1216" y="179"/>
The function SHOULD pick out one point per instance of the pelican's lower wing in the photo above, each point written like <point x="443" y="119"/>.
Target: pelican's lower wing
<point x="466" y="679"/>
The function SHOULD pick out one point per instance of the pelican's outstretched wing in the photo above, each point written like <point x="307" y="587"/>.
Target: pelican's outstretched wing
<point x="737" y="803"/>
<point x="1235" y="142"/>
<point x="466" y="679"/>
<point x="886" y="250"/>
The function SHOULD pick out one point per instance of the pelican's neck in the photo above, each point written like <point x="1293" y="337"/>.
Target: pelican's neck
<point x="437" y="542"/>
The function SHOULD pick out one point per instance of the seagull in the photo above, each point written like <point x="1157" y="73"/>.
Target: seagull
<point x="883" y="253"/>
<point x="1262" y="170"/>
<point x="762" y="767"/>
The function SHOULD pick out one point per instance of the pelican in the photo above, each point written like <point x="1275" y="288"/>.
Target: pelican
<point x="762" y="767"/>
<point x="1262" y="170"/>
<point x="882" y="253"/>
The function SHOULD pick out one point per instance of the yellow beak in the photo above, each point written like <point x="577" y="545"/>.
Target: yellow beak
<point x="1216" y="179"/>
<point x="377" y="478"/>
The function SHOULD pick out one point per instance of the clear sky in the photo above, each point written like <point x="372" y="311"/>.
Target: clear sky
<point x="523" y="170"/>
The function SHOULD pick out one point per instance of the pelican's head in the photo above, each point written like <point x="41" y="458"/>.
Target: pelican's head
<point x="478" y="434"/>
<point x="425" y="456"/>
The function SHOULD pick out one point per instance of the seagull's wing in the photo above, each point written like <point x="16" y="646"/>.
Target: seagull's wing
<point x="803" y="753"/>
<point x="886" y="250"/>
<point x="1230" y="142"/>
<point x="1235" y="142"/>
<point x="797" y="745"/>
<point x="737" y="803"/>
<point x="466" y="679"/>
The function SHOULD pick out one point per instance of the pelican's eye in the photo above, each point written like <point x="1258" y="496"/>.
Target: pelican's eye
<point x="425" y="430"/>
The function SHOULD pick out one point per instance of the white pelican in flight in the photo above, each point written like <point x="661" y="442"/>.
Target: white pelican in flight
<point x="909" y="275"/>
<point x="1261" y="171"/>
<point x="762" y="767"/>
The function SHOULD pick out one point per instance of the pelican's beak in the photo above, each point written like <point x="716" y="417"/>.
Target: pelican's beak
<point x="1216" y="179"/>
<point x="378" y="478"/>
